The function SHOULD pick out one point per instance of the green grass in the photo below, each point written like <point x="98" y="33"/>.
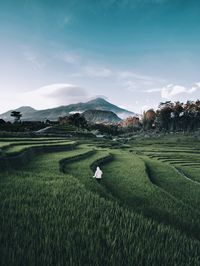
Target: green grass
<point x="127" y="179"/>
<point x="15" y="139"/>
<point x="133" y="217"/>
<point x="162" y="164"/>
<point x="22" y="147"/>
<point x="81" y="169"/>
<point x="10" y="143"/>
<point x="165" y="176"/>
<point x="64" y="224"/>
<point x="191" y="171"/>
<point x="4" y="144"/>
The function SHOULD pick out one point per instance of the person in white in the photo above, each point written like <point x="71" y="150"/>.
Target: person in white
<point x="98" y="174"/>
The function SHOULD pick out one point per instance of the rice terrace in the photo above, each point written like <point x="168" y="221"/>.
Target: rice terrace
<point x="100" y="133"/>
<point x="145" y="211"/>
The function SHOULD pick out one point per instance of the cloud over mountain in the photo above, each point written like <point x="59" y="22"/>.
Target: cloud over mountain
<point x="53" y="95"/>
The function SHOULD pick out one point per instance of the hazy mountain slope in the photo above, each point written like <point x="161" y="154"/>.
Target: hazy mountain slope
<point x="31" y="114"/>
<point x="101" y="116"/>
<point x="27" y="112"/>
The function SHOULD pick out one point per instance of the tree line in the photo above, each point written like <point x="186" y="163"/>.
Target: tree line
<point x="173" y="116"/>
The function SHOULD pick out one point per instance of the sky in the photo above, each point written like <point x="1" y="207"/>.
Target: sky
<point x="133" y="53"/>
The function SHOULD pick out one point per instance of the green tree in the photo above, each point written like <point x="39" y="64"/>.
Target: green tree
<point x="78" y="120"/>
<point x="177" y="110"/>
<point x="164" y="116"/>
<point x="16" y="115"/>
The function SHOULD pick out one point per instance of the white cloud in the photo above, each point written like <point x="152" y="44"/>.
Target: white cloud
<point x="197" y="84"/>
<point x="69" y="57"/>
<point x="52" y="95"/>
<point x="153" y="90"/>
<point x="170" y="91"/>
<point x="136" y="82"/>
<point x="193" y="89"/>
<point x="99" y="72"/>
<point x="136" y="76"/>
<point x="83" y="67"/>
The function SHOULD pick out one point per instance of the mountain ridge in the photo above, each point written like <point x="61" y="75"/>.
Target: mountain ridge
<point x="30" y="114"/>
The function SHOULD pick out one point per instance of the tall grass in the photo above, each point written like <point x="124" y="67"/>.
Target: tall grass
<point x="54" y="218"/>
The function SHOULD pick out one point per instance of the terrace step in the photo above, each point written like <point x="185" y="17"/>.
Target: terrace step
<point x="83" y="170"/>
<point x="16" y="160"/>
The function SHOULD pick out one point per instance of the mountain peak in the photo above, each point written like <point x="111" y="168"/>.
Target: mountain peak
<point x="98" y="100"/>
<point x="25" y="109"/>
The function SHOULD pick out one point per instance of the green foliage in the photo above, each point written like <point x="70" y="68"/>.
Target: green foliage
<point x="179" y="116"/>
<point x="78" y="120"/>
<point x="22" y="126"/>
<point x="16" y="115"/>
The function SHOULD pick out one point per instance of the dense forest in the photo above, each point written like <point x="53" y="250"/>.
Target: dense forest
<point x="173" y="116"/>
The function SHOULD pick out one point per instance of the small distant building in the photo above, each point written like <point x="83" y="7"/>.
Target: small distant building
<point x="131" y="121"/>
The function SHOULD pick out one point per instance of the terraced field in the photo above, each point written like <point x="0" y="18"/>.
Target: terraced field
<point x="145" y="210"/>
<point x="10" y="146"/>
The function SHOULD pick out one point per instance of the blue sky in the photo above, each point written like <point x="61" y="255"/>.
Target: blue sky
<point x="135" y="53"/>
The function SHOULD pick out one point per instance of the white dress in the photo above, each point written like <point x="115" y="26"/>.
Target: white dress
<point x="98" y="173"/>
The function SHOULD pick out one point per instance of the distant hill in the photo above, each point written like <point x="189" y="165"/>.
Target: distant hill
<point x="101" y="116"/>
<point x="25" y="110"/>
<point x="30" y="114"/>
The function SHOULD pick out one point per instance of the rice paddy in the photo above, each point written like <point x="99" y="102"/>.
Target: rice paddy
<point x="145" y="210"/>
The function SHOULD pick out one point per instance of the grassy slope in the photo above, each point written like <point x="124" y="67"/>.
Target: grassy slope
<point x="176" y="152"/>
<point x="52" y="219"/>
<point x="128" y="181"/>
<point x="22" y="147"/>
<point x="8" y="144"/>
<point x="82" y="171"/>
<point x="191" y="172"/>
<point x="15" y="139"/>
<point x="168" y="178"/>
<point x="4" y="144"/>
